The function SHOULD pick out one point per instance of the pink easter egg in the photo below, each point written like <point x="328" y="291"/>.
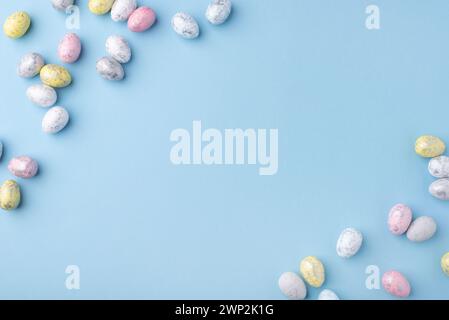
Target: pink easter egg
<point x="396" y="284"/>
<point x="399" y="219"/>
<point x="69" y="48"/>
<point x="23" y="167"/>
<point x="141" y="19"/>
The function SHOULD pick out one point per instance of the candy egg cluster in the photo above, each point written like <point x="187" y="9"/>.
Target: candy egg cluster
<point x="433" y="147"/>
<point x="400" y="221"/>
<point x="110" y="67"/>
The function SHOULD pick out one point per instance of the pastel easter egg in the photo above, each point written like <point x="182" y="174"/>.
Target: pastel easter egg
<point x="396" y="284"/>
<point x="327" y="294"/>
<point x="349" y="242"/>
<point x="439" y="167"/>
<point x="185" y="25"/>
<point x="69" y="48"/>
<point x="312" y="270"/>
<point x="218" y="11"/>
<point x="422" y="229"/>
<point x="23" y="167"/>
<point x="55" y="76"/>
<point x="440" y="189"/>
<point x="17" y="24"/>
<point x="100" y="7"/>
<point x="62" y="5"/>
<point x="118" y="48"/>
<point x="9" y="195"/>
<point x="141" y="19"/>
<point x="42" y="95"/>
<point x="445" y="263"/>
<point x="30" y="65"/>
<point x="292" y="286"/>
<point x="429" y="146"/>
<point x="110" y="69"/>
<point x="399" y="219"/>
<point x="122" y="9"/>
<point x="55" y="120"/>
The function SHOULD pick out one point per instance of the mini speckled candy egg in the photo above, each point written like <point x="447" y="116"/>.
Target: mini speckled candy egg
<point x="440" y="189"/>
<point x="17" y="24"/>
<point x="62" y="5"/>
<point x="292" y="286"/>
<point x="30" y="65"/>
<point x="118" y="48"/>
<point x="110" y="69"/>
<point x="100" y="7"/>
<point x="23" y="167"/>
<point x="399" y="219"/>
<point x="327" y="294"/>
<point x="55" y="120"/>
<point x="439" y="167"/>
<point x="9" y="195"/>
<point x="349" y="242"/>
<point x="185" y="25"/>
<point x="42" y="95"/>
<point x="422" y="229"/>
<point x="69" y="48"/>
<point x="396" y="284"/>
<point x="429" y="146"/>
<point x="445" y="263"/>
<point x="122" y="9"/>
<point x="55" y="76"/>
<point x="312" y="270"/>
<point x="218" y="11"/>
<point x="141" y="19"/>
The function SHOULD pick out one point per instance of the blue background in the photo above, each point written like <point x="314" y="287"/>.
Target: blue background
<point x="348" y="103"/>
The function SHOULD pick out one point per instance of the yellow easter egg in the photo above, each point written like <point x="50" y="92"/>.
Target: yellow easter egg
<point x="55" y="76"/>
<point x="9" y="195"/>
<point x="312" y="270"/>
<point x="429" y="146"/>
<point x="100" y="7"/>
<point x="445" y="263"/>
<point x="17" y="24"/>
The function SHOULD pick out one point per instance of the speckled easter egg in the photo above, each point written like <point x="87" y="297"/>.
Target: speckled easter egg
<point x="17" y="24"/>
<point x="312" y="270"/>
<point x="185" y="25"/>
<point x="118" y="48"/>
<point x="9" y="195"/>
<point x="429" y="146"/>
<point x="440" y="189"/>
<point x="100" y="7"/>
<point x="23" y="167"/>
<point x="141" y="19"/>
<point x="110" y="69"/>
<point x="69" y="48"/>
<point x="55" y="76"/>
<point x="349" y="242"/>
<point x="30" y="65"/>
<point x="218" y="11"/>
<point x="62" y="5"/>
<point x="396" y="284"/>
<point x="445" y="263"/>
<point x="439" y="167"/>
<point x="42" y="95"/>
<point x="292" y="286"/>
<point x="122" y="9"/>
<point x="399" y="219"/>
<point x="422" y="229"/>
<point x="327" y="294"/>
<point x="55" y="120"/>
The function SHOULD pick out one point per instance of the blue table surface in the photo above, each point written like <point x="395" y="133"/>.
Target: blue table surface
<point x="348" y="103"/>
